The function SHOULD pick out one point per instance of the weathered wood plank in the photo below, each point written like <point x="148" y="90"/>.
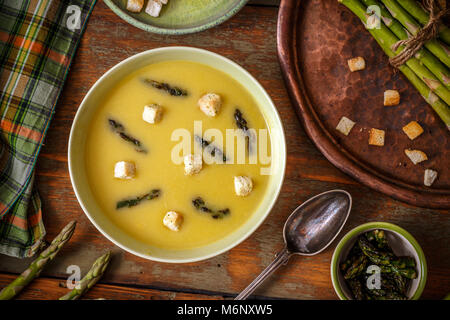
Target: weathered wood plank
<point x="52" y="289"/>
<point x="250" y="39"/>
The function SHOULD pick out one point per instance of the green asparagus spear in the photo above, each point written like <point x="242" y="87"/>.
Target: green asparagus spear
<point x="172" y="90"/>
<point x="200" y="205"/>
<point x="436" y="47"/>
<point x="345" y="265"/>
<point x="356" y="268"/>
<point x="377" y="237"/>
<point x="119" y="129"/>
<point x="153" y="194"/>
<point x="374" y="255"/>
<point x="39" y="263"/>
<point x="420" y="70"/>
<point x="381" y="294"/>
<point x="423" y="17"/>
<point x="408" y="272"/>
<point x="383" y="258"/>
<point x="399" y="282"/>
<point x="356" y="288"/>
<point x="90" y="279"/>
<point x="429" y="60"/>
<point x="386" y="39"/>
<point x="404" y="262"/>
<point x="211" y="148"/>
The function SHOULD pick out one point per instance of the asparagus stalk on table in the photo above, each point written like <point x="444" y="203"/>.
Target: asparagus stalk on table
<point x="418" y="12"/>
<point x="437" y="48"/>
<point x="428" y="59"/>
<point x="386" y="39"/>
<point x="38" y="264"/>
<point x="90" y="279"/>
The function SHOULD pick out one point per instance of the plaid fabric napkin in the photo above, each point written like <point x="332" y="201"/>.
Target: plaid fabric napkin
<point x="38" y="39"/>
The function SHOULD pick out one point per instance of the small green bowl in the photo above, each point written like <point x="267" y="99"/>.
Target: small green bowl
<point x="401" y="242"/>
<point x="180" y="17"/>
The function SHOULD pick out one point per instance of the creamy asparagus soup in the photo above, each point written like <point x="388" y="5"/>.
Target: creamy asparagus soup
<point x="149" y="183"/>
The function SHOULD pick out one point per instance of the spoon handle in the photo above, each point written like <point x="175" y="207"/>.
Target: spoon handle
<point x="281" y="258"/>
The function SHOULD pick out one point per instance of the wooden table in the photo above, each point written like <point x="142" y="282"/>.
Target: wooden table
<point x="250" y="39"/>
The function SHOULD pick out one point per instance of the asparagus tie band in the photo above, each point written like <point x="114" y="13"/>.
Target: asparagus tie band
<point x="429" y="31"/>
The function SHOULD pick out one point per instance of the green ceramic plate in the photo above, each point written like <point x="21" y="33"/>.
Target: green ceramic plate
<point x="180" y="16"/>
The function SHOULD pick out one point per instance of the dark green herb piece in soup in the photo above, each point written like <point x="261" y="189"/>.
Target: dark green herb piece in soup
<point x="172" y="90"/>
<point x="200" y="205"/>
<point x="119" y="129"/>
<point x="155" y="193"/>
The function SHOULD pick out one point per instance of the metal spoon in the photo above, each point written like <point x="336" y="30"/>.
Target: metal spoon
<point x="309" y="230"/>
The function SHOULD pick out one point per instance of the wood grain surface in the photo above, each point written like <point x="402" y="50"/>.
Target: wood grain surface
<point x="249" y="38"/>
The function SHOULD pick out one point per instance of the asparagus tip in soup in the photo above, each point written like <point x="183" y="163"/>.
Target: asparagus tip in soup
<point x="119" y="129"/>
<point x="200" y="205"/>
<point x="172" y="90"/>
<point x="242" y="124"/>
<point x="211" y="148"/>
<point x="155" y="193"/>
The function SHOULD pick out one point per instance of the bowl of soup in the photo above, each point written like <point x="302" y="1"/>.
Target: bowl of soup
<point x="177" y="154"/>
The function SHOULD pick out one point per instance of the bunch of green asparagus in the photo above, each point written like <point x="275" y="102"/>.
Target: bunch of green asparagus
<point x="35" y="268"/>
<point x="371" y="249"/>
<point x="428" y="70"/>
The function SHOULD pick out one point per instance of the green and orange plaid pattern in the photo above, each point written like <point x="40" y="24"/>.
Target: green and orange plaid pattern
<point x="38" y="39"/>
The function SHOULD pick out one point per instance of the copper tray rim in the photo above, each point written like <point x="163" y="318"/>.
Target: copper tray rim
<point x="288" y="16"/>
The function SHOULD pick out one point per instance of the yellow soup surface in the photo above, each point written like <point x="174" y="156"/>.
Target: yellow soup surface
<point x="156" y="168"/>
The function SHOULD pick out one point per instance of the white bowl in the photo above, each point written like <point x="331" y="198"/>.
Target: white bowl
<point x="89" y="107"/>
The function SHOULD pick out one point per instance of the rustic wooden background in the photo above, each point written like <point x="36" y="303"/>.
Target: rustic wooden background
<point x="250" y="39"/>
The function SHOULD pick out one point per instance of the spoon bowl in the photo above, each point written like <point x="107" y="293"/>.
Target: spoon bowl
<point x="315" y="223"/>
<point x="310" y="229"/>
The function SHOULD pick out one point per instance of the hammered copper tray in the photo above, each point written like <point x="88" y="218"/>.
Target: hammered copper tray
<point x="315" y="39"/>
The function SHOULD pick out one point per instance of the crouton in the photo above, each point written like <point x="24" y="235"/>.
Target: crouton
<point x="391" y="98"/>
<point x="413" y="130"/>
<point x="210" y="104"/>
<point x="153" y="8"/>
<point x="152" y="113"/>
<point x="429" y="177"/>
<point x="416" y="156"/>
<point x="345" y="125"/>
<point x="135" y="5"/>
<point x="192" y="164"/>
<point x="376" y="137"/>
<point x="243" y="185"/>
<point x="173" y="220"/>
<point x="356" y="64"/>
<point x="124" y="170"/>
